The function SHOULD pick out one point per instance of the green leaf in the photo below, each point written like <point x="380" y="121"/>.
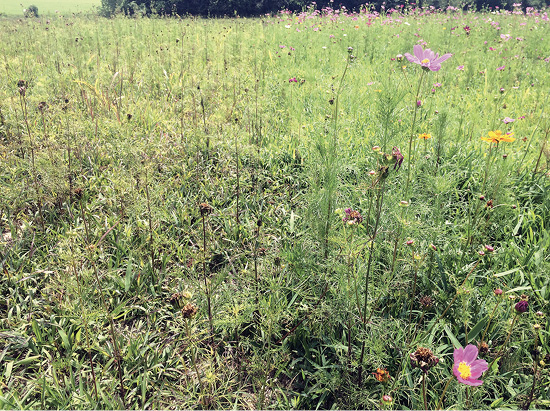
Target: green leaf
<point x="477" y="329"/>
<point x="513" y="290"/>
<point x="128" y="277"/>
<point x="9" y="367"/>
<point x="65" y="339"/>
<point x="506" y="272"/>
<point x="452" y="337"/>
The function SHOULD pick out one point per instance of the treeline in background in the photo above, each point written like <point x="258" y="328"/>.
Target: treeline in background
<point x="249" y="8"/>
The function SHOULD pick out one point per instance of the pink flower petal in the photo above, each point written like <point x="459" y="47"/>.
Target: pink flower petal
<point x="428" y="54"/>
<point x="478" y="367"/>
<point x="412" y="58"/>
<point x="442" y="58"/>
<point x="470" y="381"/>
<point x="458" y="355"/>
<point x="470" y="354"/>
<point x="418" y="52"/>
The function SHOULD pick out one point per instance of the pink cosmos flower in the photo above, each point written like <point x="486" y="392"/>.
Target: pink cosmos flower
<point x="467" y="368"/>
<point x="427" y="58"/>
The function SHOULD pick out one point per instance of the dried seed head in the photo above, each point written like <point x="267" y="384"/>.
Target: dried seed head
<point x="423" y="358"/>
<point x="78" y="192"/>
<point x="483" y="347"/>
<point x="205" y="209"/>
<point x="426" y="302"/>
<point x="189" y="310"/>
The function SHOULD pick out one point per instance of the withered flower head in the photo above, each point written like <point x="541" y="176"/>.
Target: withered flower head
<point x="189" y="310"/>
<point x="424" y="359"/>
<point x="205" y="209"/>
<point x="21" y="83"/>
<point x="382" y="375"/>
<point x="483" y="347"/>
<point x="426" y="302"/>
<point x="42" y="106"/>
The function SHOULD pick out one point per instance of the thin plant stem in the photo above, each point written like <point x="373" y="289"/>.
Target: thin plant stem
<point x="489" y="322"/>
<point x="424" y="391"/>
<point x="440" y="403"/>
<point x="206" y="288"/>
<point x="379" y="201"/>
<point x="23" y="102"/>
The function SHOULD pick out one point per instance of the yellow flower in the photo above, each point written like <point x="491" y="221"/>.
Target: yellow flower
<point x="497" y="136"/>
<point x="424" y="136"/>
<point x="507" y="137"/>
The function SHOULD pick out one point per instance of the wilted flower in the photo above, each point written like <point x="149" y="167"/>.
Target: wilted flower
<point x="398" y="158"/>
<point x="466" y="367"/>
<point x="399" y="57"/>
<point x="483" y="347"/>
<point x="426" y="302"/>
<point x="382" y="375"/>
<point x="352" y="217"/>
<point x="427" y="58"/>
<point x="189" y="310"/>
<point x="205" y="209"/>
<point x="433" y="247"/>
<point x="423" y="358"/>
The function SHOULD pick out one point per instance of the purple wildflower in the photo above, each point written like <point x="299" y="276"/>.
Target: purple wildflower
<point x="398" y="158"/>
<point x="427" y="58"/>
<point x="501" y="68"/>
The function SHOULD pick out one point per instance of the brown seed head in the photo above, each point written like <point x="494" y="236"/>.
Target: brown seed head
<point x="189" y="310"/>
<point x="483" y="347"/>
<point x="426" y="302"/>
<point x="423" y="358"/>
<point x="205" y="209"/>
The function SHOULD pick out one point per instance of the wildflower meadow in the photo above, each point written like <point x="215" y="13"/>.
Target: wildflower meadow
<point x="305" y="210"/>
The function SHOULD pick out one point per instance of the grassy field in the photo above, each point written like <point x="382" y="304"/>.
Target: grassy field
<point x="13" y="8"/>
<point x="275" y="213"/>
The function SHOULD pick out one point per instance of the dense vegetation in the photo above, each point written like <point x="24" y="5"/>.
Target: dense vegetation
<point x="281" y="212"/>
<point x="231" y="8"/>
